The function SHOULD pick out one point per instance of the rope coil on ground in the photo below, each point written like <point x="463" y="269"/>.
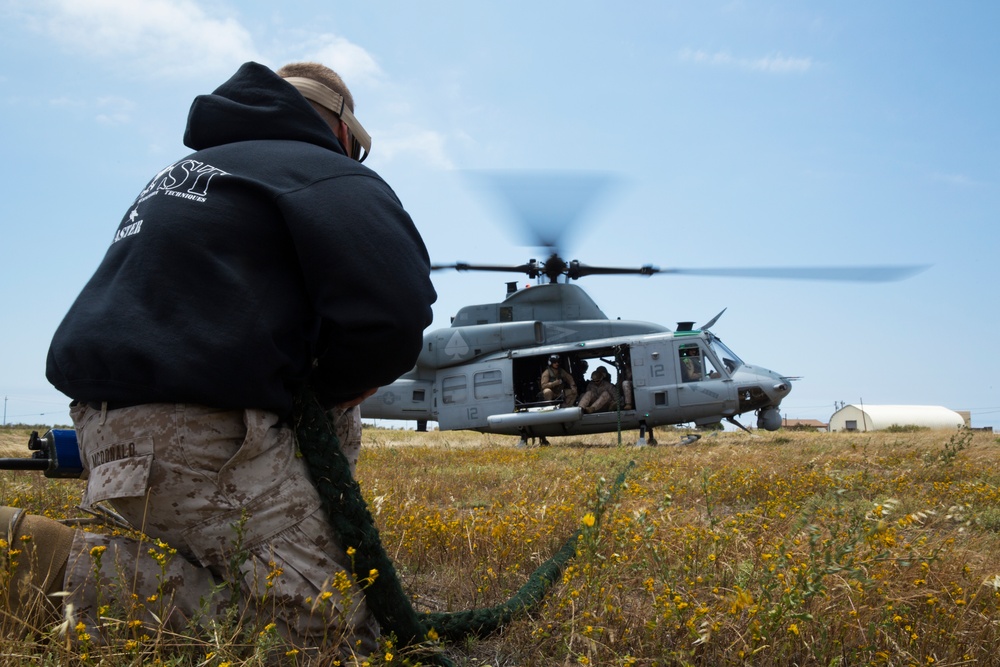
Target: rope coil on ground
<point x="354" y="525"/>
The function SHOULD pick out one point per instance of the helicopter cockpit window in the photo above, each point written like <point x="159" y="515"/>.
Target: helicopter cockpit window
<point x="727" y="356"/>
<point x="692" y="369"/>
<point x="711" y="372"/>
<point x="696" y="365"/>
<point x="454" y="389"/>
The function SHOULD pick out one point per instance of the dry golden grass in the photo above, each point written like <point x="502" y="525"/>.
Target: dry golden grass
<point x="786" y="548"/>
<point x="13" y="442"/>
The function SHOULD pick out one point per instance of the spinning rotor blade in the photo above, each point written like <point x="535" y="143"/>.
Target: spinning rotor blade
<point x="864" y="274"/>
<point x="532" y="269"/>
<point x="555" y="266"/>
<point x="547" y="204"/>
<point x="577" y="270"/>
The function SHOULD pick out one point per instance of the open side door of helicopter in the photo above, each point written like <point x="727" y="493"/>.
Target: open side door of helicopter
<point x="533" y="415"/>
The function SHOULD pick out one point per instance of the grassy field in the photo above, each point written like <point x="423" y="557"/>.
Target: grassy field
<point x="777" y="549"/>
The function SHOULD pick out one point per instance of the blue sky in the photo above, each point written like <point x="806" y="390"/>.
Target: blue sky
<point x="738" y="134"/>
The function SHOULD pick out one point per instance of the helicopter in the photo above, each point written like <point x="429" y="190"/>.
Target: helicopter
<point x="483" y="373"/>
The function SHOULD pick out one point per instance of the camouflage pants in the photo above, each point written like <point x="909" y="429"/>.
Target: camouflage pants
<point x="227" y="491"/>
<point x="348" y="423"/>
<point x="598" y="400"/>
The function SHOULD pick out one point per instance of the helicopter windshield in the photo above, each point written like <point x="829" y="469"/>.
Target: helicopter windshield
<point x="727" y="356"/>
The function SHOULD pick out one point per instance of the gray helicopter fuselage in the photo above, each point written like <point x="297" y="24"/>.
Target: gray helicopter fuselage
<point x="482" y="373"/>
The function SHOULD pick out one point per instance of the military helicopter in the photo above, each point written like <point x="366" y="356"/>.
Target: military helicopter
<point x="483" y="373"/>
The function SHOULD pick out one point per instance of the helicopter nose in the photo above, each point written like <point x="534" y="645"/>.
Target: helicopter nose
<point x="768" y="416"/>
<point x="760" y="388"/>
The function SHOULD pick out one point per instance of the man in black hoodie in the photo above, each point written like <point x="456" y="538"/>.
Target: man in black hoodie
<point x="267" y="261"/>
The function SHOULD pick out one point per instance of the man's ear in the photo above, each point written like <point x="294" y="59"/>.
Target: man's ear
<point x="344" y="135"/>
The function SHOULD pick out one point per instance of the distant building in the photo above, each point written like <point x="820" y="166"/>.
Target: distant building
<point x="879" y="417"/>
<point x="802" y="424"/>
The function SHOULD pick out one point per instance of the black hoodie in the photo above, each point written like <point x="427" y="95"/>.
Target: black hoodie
<point x="266" y="259"/>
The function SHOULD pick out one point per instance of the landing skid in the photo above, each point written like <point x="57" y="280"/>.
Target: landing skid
<point x="643" y="440"/>
<point x="528" y="440"/>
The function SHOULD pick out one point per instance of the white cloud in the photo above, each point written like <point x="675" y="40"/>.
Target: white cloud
<point x="427" y="146"/>
<point x="955" y="179"/>
<point x="108" y="110"/>
<point x="353" y="63"/>
<point x="779" y="63"/>
<point x="67" y="102"/>
<point x="114" y="110"/>
<point x="162" y="38"/>
<point x="776" y="63"/>
<point x="185" y="39"/>
<point x="181" y="39"/>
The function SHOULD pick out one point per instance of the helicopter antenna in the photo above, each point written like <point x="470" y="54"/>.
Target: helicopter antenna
<point x="711" y="322"/>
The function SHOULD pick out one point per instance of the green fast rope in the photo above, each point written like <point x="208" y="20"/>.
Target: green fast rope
<point x="351" y="520"/>
<point x="354" y="525"/>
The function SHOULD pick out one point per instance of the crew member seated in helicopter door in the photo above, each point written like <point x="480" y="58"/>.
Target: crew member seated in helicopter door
<point x="558" y="382"/>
